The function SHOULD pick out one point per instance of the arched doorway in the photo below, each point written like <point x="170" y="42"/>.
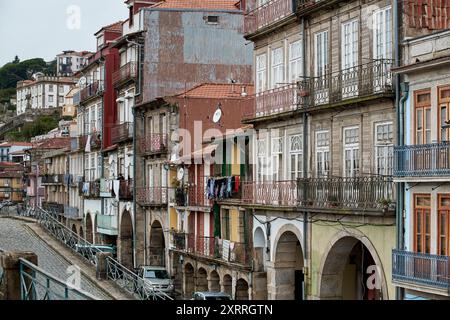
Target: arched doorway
<point x="157" y="245"/>
<point x="202" y="281"/>
<point x="214" y="281"/>
<point x="89" y="229"/>
<point x="188" y="280"/>
<point x="81" y="232"/>
<point x="346" y="271"/>
<point x="74" y="229"/>
<point x="288" y="275"/>
<point x="259" y="243"/>
<point x="227" y="284"/>
<point x="241" y="290"/>
<point x="125" y="242"/>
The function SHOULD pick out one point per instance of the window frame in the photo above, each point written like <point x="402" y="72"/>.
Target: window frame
<point x="423" y="106"/>
<point x="319" y="70"/>
<point x="423" y="211"/>
<point x="351" y="147"/>
<point x="322" y="150"/>
<point x="387" y="46"/>
<point x="443" y="210"/>
<point x="441" y="103"/>
<point x="377" y="145"/>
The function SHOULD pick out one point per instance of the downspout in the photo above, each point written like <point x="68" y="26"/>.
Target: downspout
<point x="305" y="170"/>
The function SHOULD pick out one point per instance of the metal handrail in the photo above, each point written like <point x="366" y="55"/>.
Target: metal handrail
<point x="37" y="284"/>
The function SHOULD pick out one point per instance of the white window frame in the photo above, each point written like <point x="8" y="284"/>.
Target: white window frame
<point x="277" y="67"/>
<point x="297" y="154"/>
<point x="323" y="151"/>
<point x="261" y="159"/>
<point x="352" y="147"/>
<point x="350" y="44"/>
<point x="295" y="61"/>
<point x="277" y="158"/>
<point x="321" y="51"/>
<point x="388" y="150"/>
<point x="382" y="29"/>
<point x="261" y="73"/>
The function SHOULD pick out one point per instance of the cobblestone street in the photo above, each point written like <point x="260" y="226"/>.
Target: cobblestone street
<point x="14" y="236"/>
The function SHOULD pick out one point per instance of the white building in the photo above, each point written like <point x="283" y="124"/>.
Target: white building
<point x="70" y="62"/>
<point x="45" y="92"/>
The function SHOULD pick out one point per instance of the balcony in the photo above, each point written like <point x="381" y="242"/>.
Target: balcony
<point x="212" y="248"/>
<point x="53" y="207"/>
<point x="91" y="90"/>
<point x="152" y="196"/>
<point x="425" y="161"/>
<point x="126" y="190"/>
<point x="107" y="224"/>
<point x="72" y="213"/>
<point x="306" y="7"/>
<point x="153" y="144"/>
<point x="89" y="189"/>
<point x="196" y="196"/>
<point x="421" y="271"/>
<point x="125" y="74"/>
<point x="359" y="84"/>
<point x="122" y="132"/>
<point x="180" y="197"/>
<point x="52" y="179"/>
<point x="268" y="15"/>
<point x="366" y="193"/>
<point x="270" y="193"/>
<point x="274" y="102"/>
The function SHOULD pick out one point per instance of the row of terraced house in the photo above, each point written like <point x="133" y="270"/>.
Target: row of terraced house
<point x="270" y="149"/>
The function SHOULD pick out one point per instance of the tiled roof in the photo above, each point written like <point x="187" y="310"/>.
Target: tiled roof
<point x="18" y="144"/>
<point x="217" y="90"/>
<point x="54" y="143"/>
<point x="113" y="27"/>
<point x="198" y="4"/>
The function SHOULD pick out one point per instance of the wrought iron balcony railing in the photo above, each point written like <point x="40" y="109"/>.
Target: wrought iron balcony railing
<point x="52" y="179"/>
<point x="152" y="196"/>
<point x="122" y="132"/>
<point x="267" y="14"/>
<point x="360" y="193"/>
<point x="274" y="101"/>
<point x="153" y="143"/>
<point x="72" y="213"/>
<point x="362" y="82"/>
<point x="91" y="90"/>
<point x="427" y="160"/>
<point x="53" y="207"/>
<point x="274" y="193"/>
<point x="126" y="189"/>
<point x="89" y="189"/>
<point x="310" y="6"/>
<point x="197" y="197"/>
<point x="107" y="224"/>
<point x="421" y="269"/>
<point x="125" y="73"/>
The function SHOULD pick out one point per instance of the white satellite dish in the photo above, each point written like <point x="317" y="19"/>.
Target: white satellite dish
<point x="82" y="81"/>
<point x="217" y="115"/>
<point x="180" y="174"/>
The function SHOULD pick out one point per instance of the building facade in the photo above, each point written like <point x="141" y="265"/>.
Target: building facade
<point x="69" y="62"/>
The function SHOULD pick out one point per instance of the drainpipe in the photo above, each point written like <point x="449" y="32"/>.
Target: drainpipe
<point x="305" y="169"/>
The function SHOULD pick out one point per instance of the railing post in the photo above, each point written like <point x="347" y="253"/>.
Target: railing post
<point x="11" y="286"/>
<point x="102" y="265"/>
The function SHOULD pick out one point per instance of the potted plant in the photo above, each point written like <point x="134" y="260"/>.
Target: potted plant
<point x="385" y="203"/>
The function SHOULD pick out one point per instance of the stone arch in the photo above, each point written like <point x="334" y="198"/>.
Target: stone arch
<point x="157" y="244"/>
<point x="241" y="290"/>
<point x="227" y="284"/>
<point x="259" y="239"/>
<point x="285" y="274"/>
<point x="89" y="228"/>
<point x="125" y="240"/>
<point x="189" y="285"/>
<point x="259" y="250"/>
<point x="202" y="280"/>
<point x="343" y="269"/>
<point x="214" y="281"/>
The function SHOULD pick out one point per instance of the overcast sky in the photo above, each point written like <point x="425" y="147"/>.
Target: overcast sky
<point x="44" y="28"/>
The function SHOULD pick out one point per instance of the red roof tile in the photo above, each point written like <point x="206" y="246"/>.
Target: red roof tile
<point x="54" y="143"/>
<point x="113" y="27"/>
<point x="218" y="90"/>
<point x="198" y="4"/>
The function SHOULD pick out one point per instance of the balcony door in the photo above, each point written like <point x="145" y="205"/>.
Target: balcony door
<point x="422" y="158"/>
<point x="382" y="47"/>
<point x="351" y="191"/>
<point x="349" y="60"/>
<point x="321" y="82"/>
<point x="322" y="192"/>
<point x="277" y="170"/>
<point x="422" y="236"/>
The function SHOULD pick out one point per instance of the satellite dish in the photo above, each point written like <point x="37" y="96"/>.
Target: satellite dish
<point x="82" y="81"/>
<point x="180" y="174"/>
<point x="217" y="115"/>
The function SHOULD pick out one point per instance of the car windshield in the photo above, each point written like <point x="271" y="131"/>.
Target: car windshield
<point x="156" y="274"/>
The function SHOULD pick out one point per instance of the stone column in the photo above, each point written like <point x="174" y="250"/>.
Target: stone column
<point x="10" y="288"/>
<point x="102" y="272"/>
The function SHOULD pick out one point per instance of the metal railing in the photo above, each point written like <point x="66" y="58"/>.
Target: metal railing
<point x="267" y="14"/>
<point x="89" y="189"/>
<point x="37" y="284"/>
<point x="365" y="80"/>
<point x="91" y="90"/>
<point x="126" y="189"/>
<point x="53" y="207"/>
<point x="52" y="179"/>
<point x="153" y="143"/>
<point x="152" y="195"/>
<point x="132" y="283"/>
<point x="197" y="197"/>
<point x="278" y="193"/>
<point x="122" y="132"/>
<point x="426" y="160"/>
<point x="274" y="101"/>
<point x="365" y="192"/>
<point x="421" y="269"/>
<point x="125" y="73"/>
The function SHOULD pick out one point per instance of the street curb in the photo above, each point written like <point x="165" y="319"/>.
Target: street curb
<point x="93" y="280"/>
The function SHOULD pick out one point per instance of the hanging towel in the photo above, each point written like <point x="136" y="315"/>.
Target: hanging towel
<point x="116" y="188"/>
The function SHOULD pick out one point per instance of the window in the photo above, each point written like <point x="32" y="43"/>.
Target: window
<point x="226" y="224"/>
<point x="277" y="67"/>
<point x="261" y="159"/>
<point x="444" y="112"/>
<point x="50" y="98"/>
<point x="384" y="148"/>
<point x="50" y="88"/>
<point x="349" y="45"/>
<point x="277" y="158"/>
<point x="423" y="117"/>
<point x="323" y="153"/>
<point x="351" y="152"/>
<point x="382" y="33"/>
<point x="212" y="19"/>
<point x="295" y="61"/>
<point x="422" y="223"/>
<point x="61" y="99"/>
<point x="295" y="152"/>
<point x="321" y="54"/>
<point x="443" y="224"/>
<point x="93" y="120"/>
<point x="61" y="89"/>
<point x="100" y="41"/>
<point x="261" y="62"/>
